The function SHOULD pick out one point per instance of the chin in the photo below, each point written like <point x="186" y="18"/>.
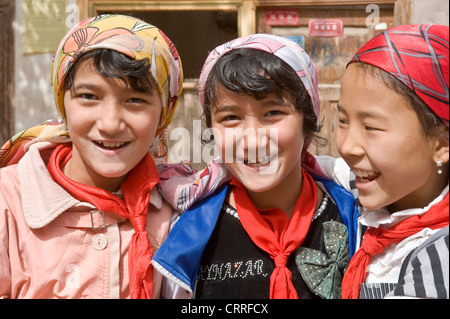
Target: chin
<point x="370" y="205"/>
<point x="112" y="173"/>
<point x="259" y="189"/>
<point x="258" y="186"/>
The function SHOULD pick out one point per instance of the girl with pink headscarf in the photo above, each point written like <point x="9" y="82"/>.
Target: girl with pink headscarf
<point x="278" y="229"/>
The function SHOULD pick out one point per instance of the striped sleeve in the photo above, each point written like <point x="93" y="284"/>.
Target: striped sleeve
<point x="425" y="271"/>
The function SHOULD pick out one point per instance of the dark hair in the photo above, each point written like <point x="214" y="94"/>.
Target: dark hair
<point x="431" y="124"/>
<point x="258" y="73"/>
<point x="113" y="64"/>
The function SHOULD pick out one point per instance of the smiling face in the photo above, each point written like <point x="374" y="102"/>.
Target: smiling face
<point x="260" y="141"/>
<point x="111" y="125"/>
<point x="380" y="138"/>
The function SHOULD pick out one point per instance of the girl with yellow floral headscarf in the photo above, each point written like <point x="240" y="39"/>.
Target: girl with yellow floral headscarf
<point x="127" y="35"/>
<point x="88" y="209"/>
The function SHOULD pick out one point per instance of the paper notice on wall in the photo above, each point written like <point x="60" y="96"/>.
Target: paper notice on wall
<point x="44" y="25"/>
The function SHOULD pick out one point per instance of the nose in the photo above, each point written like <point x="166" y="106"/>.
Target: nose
<point x="110" y="117"/>
<point x="256" y="140"/>
<point x="349" y="142"/>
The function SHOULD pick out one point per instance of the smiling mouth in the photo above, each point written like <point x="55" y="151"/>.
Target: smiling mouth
<point x="111" y="145"/>
<point x="264" y="162"/>
<point x="366" y="176"/>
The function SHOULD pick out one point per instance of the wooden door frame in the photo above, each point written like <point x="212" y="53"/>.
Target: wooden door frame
<point x="244" y="8"/>
<point x="7" y="12"/>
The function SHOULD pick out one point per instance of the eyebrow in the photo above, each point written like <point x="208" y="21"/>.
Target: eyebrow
<point x="275" y="102"/>
<point x="85" y="86"/>
<point x="265" y="103"/>
<point x="224" y="108"/>
<point x="364" y="114"/>
<point x="94" y="87"/>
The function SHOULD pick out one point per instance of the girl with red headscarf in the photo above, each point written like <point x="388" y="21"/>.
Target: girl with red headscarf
<point x="393" y="135"/>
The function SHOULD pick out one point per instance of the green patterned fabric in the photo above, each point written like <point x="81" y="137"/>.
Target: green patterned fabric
<point x="323" y="272"/>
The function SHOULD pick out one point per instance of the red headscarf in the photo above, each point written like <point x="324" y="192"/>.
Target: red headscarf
<point x="417" y="55"/>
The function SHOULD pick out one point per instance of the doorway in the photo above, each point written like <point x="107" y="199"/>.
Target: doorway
<point x="194" y="33"/>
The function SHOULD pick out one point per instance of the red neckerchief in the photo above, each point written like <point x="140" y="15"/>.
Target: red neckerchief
<point x="136" y="192"/>
<point x="377" y="239"/>
<point x="272" y="231"/>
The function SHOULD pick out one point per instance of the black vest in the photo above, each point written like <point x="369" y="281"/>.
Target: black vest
<point x="232" y="266"/>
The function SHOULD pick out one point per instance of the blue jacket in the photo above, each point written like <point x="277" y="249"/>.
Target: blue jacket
<point x="180" y="255"/>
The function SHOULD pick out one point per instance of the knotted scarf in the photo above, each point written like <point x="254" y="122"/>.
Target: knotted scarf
<point x="273" y="231"/>
<point x="417" y="55"/>
<point x="377" y="239"/>
<point x="136" y="193"/>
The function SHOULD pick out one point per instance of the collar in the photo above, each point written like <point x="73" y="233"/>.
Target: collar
<point x="382" y="217"/>
<point x="44" y="200"/>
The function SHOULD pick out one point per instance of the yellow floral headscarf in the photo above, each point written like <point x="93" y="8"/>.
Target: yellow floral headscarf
<point x="128" y="35"/>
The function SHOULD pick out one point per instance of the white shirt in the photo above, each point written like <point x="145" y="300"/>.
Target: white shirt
<point x="384" y="267"/>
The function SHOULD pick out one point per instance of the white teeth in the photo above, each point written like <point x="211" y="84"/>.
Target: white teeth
<point x="366" y="176"/>
<point x="111" y="144"/>
<point x="265" y="161"/>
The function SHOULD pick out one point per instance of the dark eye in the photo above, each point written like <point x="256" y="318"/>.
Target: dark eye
<point x="274" y="113"/>
<point x="136" y="100"/>
<point x="229" y="118"/>
<point x="370" y="128"/>
<point x="87" y="96"/>
<point x="342" y="121"/>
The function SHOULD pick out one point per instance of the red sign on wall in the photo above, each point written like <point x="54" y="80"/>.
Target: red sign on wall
<point x="325" y="27"/>
<point x="281" y="17"/>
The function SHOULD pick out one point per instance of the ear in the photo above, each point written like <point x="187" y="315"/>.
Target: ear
<point x="441" y="150"/>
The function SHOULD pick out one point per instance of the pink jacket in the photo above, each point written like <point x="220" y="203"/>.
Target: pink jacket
<point x="54" y="246"/>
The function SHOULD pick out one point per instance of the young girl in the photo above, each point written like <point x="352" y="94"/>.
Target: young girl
<point x="275" y="230"/>
<point x="393" y="135"/>
<point x="82" y="220"/>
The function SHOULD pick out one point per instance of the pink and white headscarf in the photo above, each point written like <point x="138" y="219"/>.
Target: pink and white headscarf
<point x="289" y="52"/>
<point x="285" y="49"/>
<point x="216" y="173"/>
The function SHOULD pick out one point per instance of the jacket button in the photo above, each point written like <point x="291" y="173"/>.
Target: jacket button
<point x="99" y="241"/>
